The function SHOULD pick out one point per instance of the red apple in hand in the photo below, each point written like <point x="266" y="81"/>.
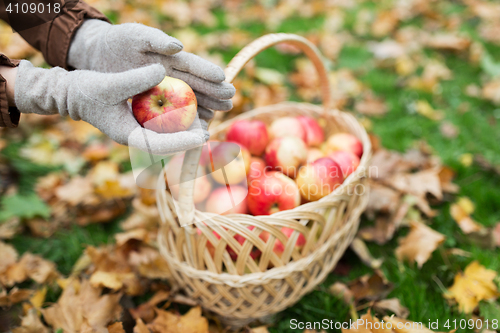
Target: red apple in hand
<point x="346" y="142"/>
<point x="314" y="132"/>
<point x="347" y="161"/>
<point x="286" y="154"/>
<point x="287" y="126"/>
<point x="167" y="108"/>
<point x="250" y="133"/>
<point x="271" y="193"/>
<point x="221" y="200"/>
<point x="318" y="179"/>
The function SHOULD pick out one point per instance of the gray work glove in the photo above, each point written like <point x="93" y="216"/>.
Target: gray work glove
<point x="101" y="100"/>
<point x="102" y="47"/>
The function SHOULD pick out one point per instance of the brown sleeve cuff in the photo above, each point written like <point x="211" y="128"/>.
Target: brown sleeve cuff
<point x="62" y="30"/>
<point x="9" y="116"/>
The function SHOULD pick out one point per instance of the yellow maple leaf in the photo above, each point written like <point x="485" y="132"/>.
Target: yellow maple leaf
<point x="473" y="285"/>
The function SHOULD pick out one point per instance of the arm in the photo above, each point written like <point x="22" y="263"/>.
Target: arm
<point x="9" y="75"/>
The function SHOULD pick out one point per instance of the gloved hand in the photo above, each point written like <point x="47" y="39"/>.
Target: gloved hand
<point x="102" y="47"/>
<point x="101" y="100"/>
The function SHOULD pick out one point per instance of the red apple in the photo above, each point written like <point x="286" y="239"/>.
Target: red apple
<point x="233" y="158"/>
<point x="254" y="254"/>
<point x="313" y="154"/>
<point x="271" y="193"/>
<point x="250" y="133"/>
<point x="286" y="154"/>
<point x="347" y="161"/>
<point x="345" y="142"/>
<point x="256" y="169"/>
<point x="287" y="126"/>
<point x="221" y="200"/>
<point x="167" y="108"/>
<point x="279" y="247"/>
<point x="202" y="185"/>
<point x="314" y="132"/>
<point x="318" y="179"/>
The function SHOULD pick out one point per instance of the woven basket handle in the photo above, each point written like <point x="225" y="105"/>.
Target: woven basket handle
<point x="192" y="157"/>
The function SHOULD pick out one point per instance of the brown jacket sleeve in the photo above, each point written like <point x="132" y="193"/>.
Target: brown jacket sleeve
<point x="52" y="39"/>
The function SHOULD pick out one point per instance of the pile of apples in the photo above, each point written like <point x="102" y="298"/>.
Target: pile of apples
<point x="291" y="162"/>
<point x="280" y="167"/>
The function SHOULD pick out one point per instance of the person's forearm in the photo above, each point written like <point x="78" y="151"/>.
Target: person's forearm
<point x="9" y="74"/>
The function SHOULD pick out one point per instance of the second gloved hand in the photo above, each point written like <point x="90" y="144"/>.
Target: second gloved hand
<point x="103" y="47"/>
<point x="101" y="100"/>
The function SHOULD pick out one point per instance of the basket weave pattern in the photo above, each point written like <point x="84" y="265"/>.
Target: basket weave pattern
<point x="248" y="289"/>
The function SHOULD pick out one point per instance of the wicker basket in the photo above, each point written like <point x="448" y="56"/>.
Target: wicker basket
<point x="246" y="290"/>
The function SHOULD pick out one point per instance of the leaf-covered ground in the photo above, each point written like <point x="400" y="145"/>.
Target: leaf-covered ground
<point x="422" y="76"/>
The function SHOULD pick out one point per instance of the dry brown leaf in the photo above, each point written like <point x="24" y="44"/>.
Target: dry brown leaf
<point x="419" y="183"/>
<point x="76" y="191"/>
<point x="9" y="228"/>
<point x="359" y="247"/>
<point x="448" y="130"/>
<point x="14" y="296"/>
<point x="140" y="327"/>
<point x="491" y="91"/>
<point x="83" y="307"/>
<point x="393" y="305"/>
<point x="382" y="198"/>
<point x="116" y="328"/>
<point x="446" y="175"/>
<point x="385" y="23"/>
<point x="448" y="41"/>
<point x="341" y="290"/>
<point x="476" y="283"/>
<point x="370" y="287"/>
<point x="260" y="329"/>
<point x="419" y="244"/>
<point x="31" y="323"/>
<point x="146" y="311"/>
<point x="167" y="322"/>
<point x="367" y="324"/>
<point x="412" y="327"/>
<point x="496" y="234"/>
<point x="371" y="106"/>
<point x="8" y="254"/>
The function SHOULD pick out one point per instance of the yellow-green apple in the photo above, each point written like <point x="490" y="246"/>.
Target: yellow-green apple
<point x="313" y="154"/>
<point x="231" y="162"/>
<point x="314" y="132"/>
<point x="346" y="142"/>
<point x="286" y="154"/>
<point x="347" y="161"/>
<point x="318" y="179"/>
<point x="271" y="193"/>
<point x="251" y="134"/>
<point x="227" y="200"/>
<point x="257" y="168"/>
<point x="167" y="108"/>
<point x="279" y="247"/>
<point x="287" y="126"/>
<point x="202" y="186"/>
